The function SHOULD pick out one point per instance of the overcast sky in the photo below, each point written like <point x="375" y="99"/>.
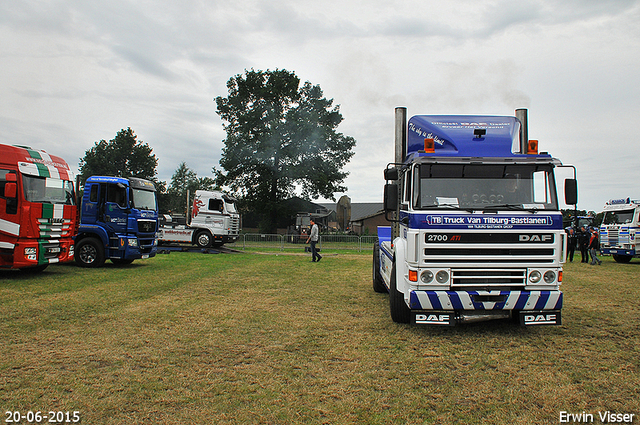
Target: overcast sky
<point x="75" y="72"/>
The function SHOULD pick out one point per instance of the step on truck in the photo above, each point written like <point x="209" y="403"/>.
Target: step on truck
<point x="476" y="228"/>
<point x="37" y="209"/>
<point x="214" y="222"/>
<point x="620" y="229"/>
<point x="118" y="221"/>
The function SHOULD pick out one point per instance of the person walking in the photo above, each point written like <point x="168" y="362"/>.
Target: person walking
<point x="594" y="244"/>
<point x="572" y="242"/>
<point x="583" y="244"/>
<point x="313" y="238"/>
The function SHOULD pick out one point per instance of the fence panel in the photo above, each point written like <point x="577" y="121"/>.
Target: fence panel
<point x="261" y="240"/>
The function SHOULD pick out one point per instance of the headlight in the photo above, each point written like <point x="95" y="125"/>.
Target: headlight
<point x="426" y="276"/>
<point x="28" y="251"/>
<point x="442" y="276"/>
<point x="535" y="276"/>
<point x="549" y="276"/>
<point x="133" y="242"/>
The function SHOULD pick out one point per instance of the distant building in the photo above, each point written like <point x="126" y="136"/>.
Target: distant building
<point x="365" y="217"/>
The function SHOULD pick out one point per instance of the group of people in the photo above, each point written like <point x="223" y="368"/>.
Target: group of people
<point x="587" y="241"/>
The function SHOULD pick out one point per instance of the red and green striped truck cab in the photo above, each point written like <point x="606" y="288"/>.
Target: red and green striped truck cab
<point x="38" y="215"/>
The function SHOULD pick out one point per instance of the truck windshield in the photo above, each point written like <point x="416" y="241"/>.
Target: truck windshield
<point x="143" y="200"/>
<point x="231" y="207"/>
<point x="618" y="217"/>
<point x="48" y="190"/>
<point x="484" y="186"/>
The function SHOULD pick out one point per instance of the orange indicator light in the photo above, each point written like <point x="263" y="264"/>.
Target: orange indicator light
<point x="429" y="146"/>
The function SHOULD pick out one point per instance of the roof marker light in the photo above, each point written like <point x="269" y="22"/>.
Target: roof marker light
<point x="429" y="146"/>
<point x="532" y="147"/>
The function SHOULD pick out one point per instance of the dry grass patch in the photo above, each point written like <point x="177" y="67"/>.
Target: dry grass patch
<point x="237" y="339"/>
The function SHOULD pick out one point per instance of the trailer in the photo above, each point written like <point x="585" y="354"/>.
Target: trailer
<point x="477" y="230"/>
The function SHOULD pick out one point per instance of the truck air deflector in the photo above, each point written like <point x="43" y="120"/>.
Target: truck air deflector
<point x="457" y="136"/>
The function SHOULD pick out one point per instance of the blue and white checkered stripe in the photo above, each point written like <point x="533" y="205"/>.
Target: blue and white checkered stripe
<point x="462" y="300"/>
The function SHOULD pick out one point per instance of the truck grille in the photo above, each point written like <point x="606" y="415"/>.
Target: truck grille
<point x="613" y="236"/>
<point x="54" y="227"/>
<point x="489" y="255"/>
<point x="488" y="277"/>
<point x="146" y="226"/>
<point x="234" y="225"/>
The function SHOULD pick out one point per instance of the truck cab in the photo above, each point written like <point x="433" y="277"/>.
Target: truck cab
<point x="620" y="229"/>
<point x="477" y="231"/>
<point x="37" y="209"/>
<point x="215" y="221"/>
<point x="118" y="221"/>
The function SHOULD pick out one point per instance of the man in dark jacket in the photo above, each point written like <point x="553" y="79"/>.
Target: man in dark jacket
<point x="583" y="244"/>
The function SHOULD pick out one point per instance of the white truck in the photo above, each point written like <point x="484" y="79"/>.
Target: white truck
<point x="620" y="229"/>
<point x="477" y="229"/>
<point x="214" y="222"/>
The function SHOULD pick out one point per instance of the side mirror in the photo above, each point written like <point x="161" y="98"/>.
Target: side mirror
<point x="10" y="190"/>
<point x="390" y="197"/>
<point x="571" y="191"/>
<point x="391" y="174"/>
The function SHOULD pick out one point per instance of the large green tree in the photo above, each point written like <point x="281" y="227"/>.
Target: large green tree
<point x="123" y="156"/>
<point x="280" y="136"/>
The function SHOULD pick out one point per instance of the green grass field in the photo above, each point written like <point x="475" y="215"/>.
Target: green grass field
<point x="276" y="339"/>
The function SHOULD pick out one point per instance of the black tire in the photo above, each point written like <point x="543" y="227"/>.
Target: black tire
<point x="378" y="283"/>
<point x="121" y="261"/>
<point x="400" y="313"/>
<point x="89" y="252"/>
<point x="203" y="239"/>
<point x="621" y="258"/>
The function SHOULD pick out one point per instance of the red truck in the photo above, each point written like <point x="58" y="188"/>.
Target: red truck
<point x="38" y="215"/>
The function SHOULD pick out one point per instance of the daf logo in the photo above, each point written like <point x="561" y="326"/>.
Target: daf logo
<point x="540" y="318"/>
<point x="535" y="238"/>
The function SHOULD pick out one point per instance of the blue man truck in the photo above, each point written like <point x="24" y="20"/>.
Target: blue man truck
<point x="118" y="221"/>
<point x="476" y="229"/>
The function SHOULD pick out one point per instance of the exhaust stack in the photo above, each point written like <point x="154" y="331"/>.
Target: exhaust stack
<point x="522" y="115"/>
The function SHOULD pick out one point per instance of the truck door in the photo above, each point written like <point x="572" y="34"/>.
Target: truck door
<point x="114" y="207"/>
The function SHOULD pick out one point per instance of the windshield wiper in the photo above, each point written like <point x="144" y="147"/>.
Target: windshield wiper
<point x="449" y="207"/>
<point x="515" y="207"/>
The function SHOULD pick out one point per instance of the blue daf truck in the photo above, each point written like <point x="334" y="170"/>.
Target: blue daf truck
<point x="476" y="228"/>
<point x="118" y="221"/>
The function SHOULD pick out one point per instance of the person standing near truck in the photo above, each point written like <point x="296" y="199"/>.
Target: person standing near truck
<point x="313" y="238"/>
<point x="572" y="242"/>
<point x="583" y="243"/>
<point x="594" y="245"/>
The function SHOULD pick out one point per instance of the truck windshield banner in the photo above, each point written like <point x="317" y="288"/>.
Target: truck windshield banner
<point x="459" y="221"/>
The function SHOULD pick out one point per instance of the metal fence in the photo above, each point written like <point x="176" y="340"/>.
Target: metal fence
<point x="297" y="242"/>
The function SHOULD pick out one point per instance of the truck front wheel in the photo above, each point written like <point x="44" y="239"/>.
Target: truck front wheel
<point x="204" y="239"/>
<point x="622" y="258"/>
<point x="400" y="313"/>
<point x="89" y="253"/>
